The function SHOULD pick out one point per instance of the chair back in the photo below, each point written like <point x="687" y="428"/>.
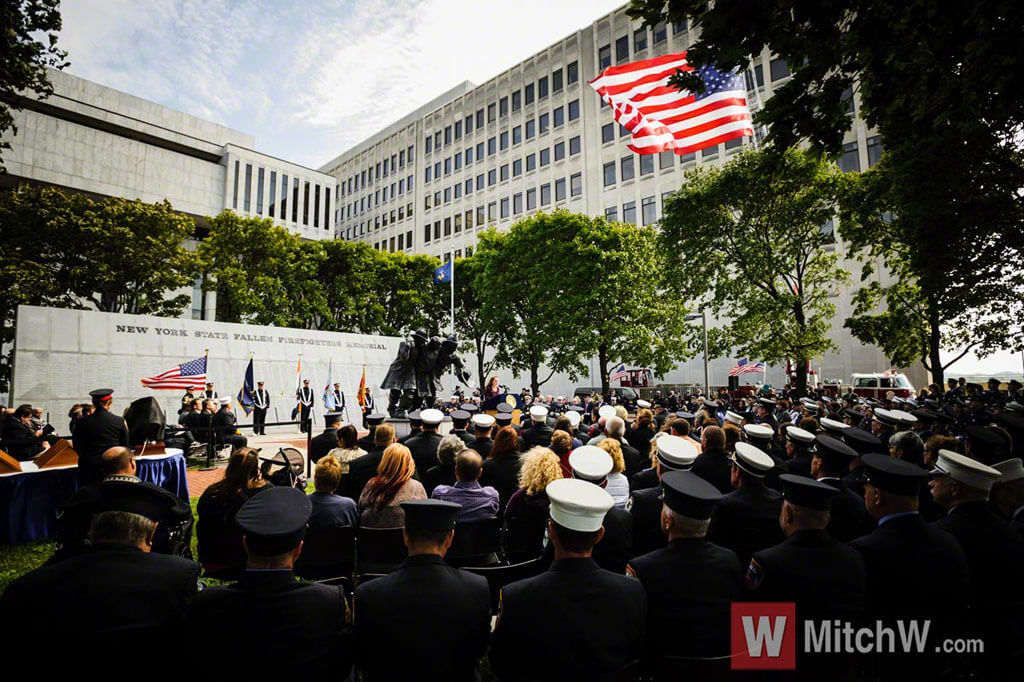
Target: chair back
<point x="524" y="539"/>
<point x="684" y="667"/>
<point x="327" y="553"/>
<point x="379" y="550"/>
<point x="476" y="543"/>
<point x="499" y="576"/>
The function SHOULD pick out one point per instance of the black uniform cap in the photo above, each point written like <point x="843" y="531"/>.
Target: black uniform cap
<point x="711" y="404"/>
<point x="806" y="492"/>
<point x="460" y="418"/>
<point x="981" y="436"/>
<point x="135" y="498"/>
<point x="274" y="521"/>
<point x="504" y="407"/>
<point x="854" y="415"/>
<point x="893" y="475"/>
<point x="830" y="446"/>
<point x="1011" y="420"/>
<point x="375" y="419"/>
<point x="686" y="493"/>
<point x="861" y="440"/>
<point x="430" y="514"/>
<point x="414" y="418"/>
<point x="101" y="393"/>
<point x="503" y="418"/>
<point x="472" y="408"/>
<point x="576" y="408"/>
<point x="685" y="415"/>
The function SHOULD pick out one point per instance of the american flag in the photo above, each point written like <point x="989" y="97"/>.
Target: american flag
<point x="744" y="367"/>
<point x="618" y="373"/>
<point x="661" y="117"/>
<point x="191" y="374"/>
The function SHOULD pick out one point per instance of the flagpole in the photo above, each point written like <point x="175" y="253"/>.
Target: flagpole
<point x="452" y="281"/>
<point x="757" y="94"/>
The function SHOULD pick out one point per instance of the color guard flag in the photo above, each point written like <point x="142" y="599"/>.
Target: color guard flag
<point x="362" y="389"/>
<point x="298" y="388"/>
<point x="247" y="393"/>
<point x="662" y="117"/>
<point x="329" y="402"/>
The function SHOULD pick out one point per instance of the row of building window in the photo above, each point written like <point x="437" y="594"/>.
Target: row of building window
<point x="293" y="205"/>
<point x="503" y="172"/>
<point x="648" y="210"/>
<point x="505" y="207"/>
<point x="404" y="241"/>
<point x="659" y="34"/>
<point x="519" y="98"/>
<point x="389" y="166"/>
<point x="377" y="198"/>
<point x="363" y="227"/>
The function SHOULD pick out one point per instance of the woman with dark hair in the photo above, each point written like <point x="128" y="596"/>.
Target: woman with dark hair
<point x="642" y="432"/>
<point x="381" y="499"/>
<point x="492" y="389"/>
<point x="501" y="468"/>
<point x="218" y="536"/>
<point x="348" y="447"/>
<point x="21" y="441"/>
<point x="561" y="445"/>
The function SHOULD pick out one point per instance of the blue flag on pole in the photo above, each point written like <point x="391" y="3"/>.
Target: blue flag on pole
<point x="443" y="274"/>
<point x="247" y="392"/>
<point x="329" y="401"/>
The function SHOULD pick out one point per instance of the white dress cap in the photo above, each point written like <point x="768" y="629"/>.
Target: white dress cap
<point x="578" y="505"/>
<point x="758" y="431"/>
<point x="590" y="463"/>
<point x="483" y="420"/>
<point x="431" y="417"/>
<point x="802" y="435"/>
<point x="904" y="417"/>
<point x="643" y="404"/>
<point x="538" y="413"/>
<point x="225" y="400"/>
<point x="734" y="418"/>
<point x="966" y="470"/>
<point x="833" y="425"/>
<point x="606" y="411"/>
<point x="574" y="418"/>
<point x="753" y="459"/>
<point x="1011" y="470"/>
<point x="675" y="452"/>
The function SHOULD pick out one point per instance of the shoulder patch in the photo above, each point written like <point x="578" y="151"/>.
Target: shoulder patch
<point x="629" y="503"/>
<point x="755" y="575"/>
<point x="630" y="573"/>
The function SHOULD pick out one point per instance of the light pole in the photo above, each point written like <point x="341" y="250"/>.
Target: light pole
<point x="704" y="323"/>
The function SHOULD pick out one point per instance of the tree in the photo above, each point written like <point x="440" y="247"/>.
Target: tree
<point x="470" y="325"/>
<point x="942" y="87"/>
<point x="349" y="275"/>
<point x="408" y="297"/>
<point x="748" y="240"/>
<point x="30" y="30"/>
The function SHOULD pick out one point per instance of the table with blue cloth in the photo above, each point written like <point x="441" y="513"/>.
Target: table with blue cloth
<point x="29" y="499"/>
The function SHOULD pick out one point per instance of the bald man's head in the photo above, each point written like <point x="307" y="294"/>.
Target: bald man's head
<point x="117" y="461"/>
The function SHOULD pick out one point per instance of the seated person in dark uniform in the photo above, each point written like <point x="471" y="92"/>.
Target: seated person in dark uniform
<point x="423" y="446"/>
<point x="593" y="464"/>
<point x="21" y="441"/>
<point x="482" y="442"/>
<point x="575" y="621"/>
<point x="173" y="535"/>
<point x="690" y="616"/>
<point x="438" y="617"/>
<point x="673" y="453"/>
<point x="116" y="588"/>
<point x="324" y="442"/>
<point x="328" y="509"/>
<point x="224" y="422"/>
<point x="268" y="619"/>
<point x="713" y="463"/>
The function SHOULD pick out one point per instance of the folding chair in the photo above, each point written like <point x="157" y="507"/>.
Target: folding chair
<point x="379" y="550"/>
<point x="499" y="576"/>
<point x="476" y="543"/>
<point x="523" y="539"/>
<point x="327" y="553"/>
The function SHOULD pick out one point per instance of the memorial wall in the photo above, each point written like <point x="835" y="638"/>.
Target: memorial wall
<point x="60" y="355"/>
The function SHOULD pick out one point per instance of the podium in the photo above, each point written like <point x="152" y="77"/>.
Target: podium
<point x="513" y="400"/>
<point x="60" y="454"/>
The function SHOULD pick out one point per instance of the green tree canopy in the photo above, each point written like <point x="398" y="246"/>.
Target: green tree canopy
<point x="473" y="332"/>
<point x="749" y="241"/>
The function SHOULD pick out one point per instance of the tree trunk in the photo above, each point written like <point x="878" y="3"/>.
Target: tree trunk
<point x="602" y="366"/>
<point x="481" y="350"/>
<point x="934" y="340"/>
<point x="534" y="378"/>
<point x="801" y="377"/>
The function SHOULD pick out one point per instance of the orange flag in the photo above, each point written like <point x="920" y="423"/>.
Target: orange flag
<point x="361" y="396"/>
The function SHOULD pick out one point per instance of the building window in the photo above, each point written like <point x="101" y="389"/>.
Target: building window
<point x="469" y="124"/>
<point x="447" y="194"/>
<point x="576" y="185"/>
<point x="531" y="199"/>
<point x="850" y="160"/>
<point x="480" y="181"/>
<point x="734" y="143"/>
<point x="545" y="194"/>
<point x="517" y="168"/>
<point x="448" y="165"/>
<point x="574" y="110"/>
<point x="234" y="201"/>
<point x="517" y="134"/>
<point x="504" y="172"/>
<point x="542" y="87"/>
<point x="574" y="145"/>
<point x="544" y="123"/>
<point x="627" y="171"/>
<point x="492" y="210"/>
<point x="559" y="115"/>
<point x="492" y="110"/>
<point x="295" y="200"/>
<point x="316" y="204"/>
<point x="531" y="129"/>
<point x="401" y="242"/>
<point x="874" y="150"/>
<point x="273" y="192"/>
<point x="479" y="118"/>
<point x="458" y="160"/>
<point x="709" y="152"/>
<point x="646" y="164"/>
<point x="531" y="162"/>
<point x="666" y="159"/>
<point x="305" y="203"/>
<point x="517" y="203"/>
<point x="609" y="174"/>
<point x="492" y="145"/>
<point x="517" y="100"/>
<point x="447" y="227"/>
<point x="611" y="213"/>
<point x="779" y="69"/>
<point x="458" y="136"/>
<point x="259" y="191"/>
<point x="504" y="208"/>
<point x="604" y="57"/>
<point x="559" y="151"/>
<point x="427" y="144"/>
<point x="556" y="80"/>
<point x="503" y="140"/>
<point x="437" y="229"/>
<point x="560" y="189"/>
<point x="247" y="191"/>
<point x="469" y="155"/>
<point x="572" y="72"/>
<point x="622" y="49"/>
<point x="458" y="223"/>
<point x="426" y="233"/>
<point x="687" y="158"/>
<point x="503" y="106"/>
<point x="492" y="176"/>
<point x="528" y="93"/>
<point x="640" y="39"/>
<point x="660" y="33"/>
<point x="447" y="140"/>
<point x="545" y="157"/>
<point x="607" y="133"/>
<point x="629" y="212"/>
<point x="648" y="211"/>
<point x="480" y="216"/>
<point x="458" y="190"/>
<point x="469" y="185"/>
<point x="479" y="151"/>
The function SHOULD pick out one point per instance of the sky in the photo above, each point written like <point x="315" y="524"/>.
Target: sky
<point x="308" y="79"/>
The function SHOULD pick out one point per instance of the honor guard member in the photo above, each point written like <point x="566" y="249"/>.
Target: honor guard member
<point x="747" y="519"/>
<point x="849" y="517"/>
<point x="186" y="401"/>
<point x="372" y="421"/>
<point x="305" y="622"/>
<point x="339" y="398"/>
<point x="425" y="620"/>
<point x="95" y="434"/>
<point x="415" y="426"/>
<point x="483" y="424"/>
<point x="324" y="442"/>
<point x="424" y="445"/>
<point x="592" y="464"/>
<point x="367" y="407"/>
<point x="575" y="621"/>
<point x="209" y="393"/>
<point x="116" y="587"/>
<point x="260" y="403"/>
<point x="460" y="420"/>
<point x="673" y="454"/>
<point x="823" y="576"/>
<point x="306" y="400"/>
<point x="538" y="433"/>
<point x="798" y="448"/>
<point x="908" y="563"/>
<point x="688" y="617"/>
<point x="995" y="554"/>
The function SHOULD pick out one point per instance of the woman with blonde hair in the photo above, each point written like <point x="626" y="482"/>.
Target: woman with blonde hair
<point x="526" y="514"/>
<point x="618" y="484"/>
<point x="381" y="499"/>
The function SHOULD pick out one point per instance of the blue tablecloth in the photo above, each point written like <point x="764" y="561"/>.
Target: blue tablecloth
<point x="29" y="500"/>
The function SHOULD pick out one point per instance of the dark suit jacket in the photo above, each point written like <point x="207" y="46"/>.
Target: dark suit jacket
<point x="424" y="621"/>
<point x="746" y="520"/>
<point x="648" y="478"/>
<point x="616" y="547"/>
<point x="323" y="443"/>
<point x="645" y="506"/>
<point x="688" y="617"/>
<point x="850" y="517"/>
<point x="503" y="476"/>
<point x="466" y="437"/>
<point x="631" y="456"/>
<point x="575" y="621"/>
<point x="275" y="623"/>
<point x="107" y="592"/>
<point x="20" y="441"/>
<point x="537" y="434"/>
<point x="94" y="435"/>
<point x="482" y="445"/>
<point x="424" y="450"/>
<point x="715" y="467"/>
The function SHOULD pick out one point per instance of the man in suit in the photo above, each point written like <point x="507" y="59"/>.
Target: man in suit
<point x="482" y="443"/>
<point x="995" y="555"/>
<point x="324" y="442"/>
<point x="673" y="454"/>
<point x="97" y="433"/>
<point x="848" y="518"/>
<point x="362" y="469"/>
<point x="539" y="433"/>
<point x="823" y="576"/>
<point x="615" y="428"/>
<point x="224" y="422"/>
<point x="747" y="519"/>
<point x="306" y="400"/>
<point x="909" y="562"/>
<point x="687" y="617"/>
<point x="592" y="464"/>
<point x="576" y="620"/>
<point x="437" y="616"/>
<point x="372" y="421"/>
<point x="424" y="445"/>
<point x="116" y="588"/>
<point x="307" y="620"/>
<point x="261" y="403"/>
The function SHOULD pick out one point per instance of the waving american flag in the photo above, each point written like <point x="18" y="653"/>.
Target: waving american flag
<point x="191" y="374"/>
